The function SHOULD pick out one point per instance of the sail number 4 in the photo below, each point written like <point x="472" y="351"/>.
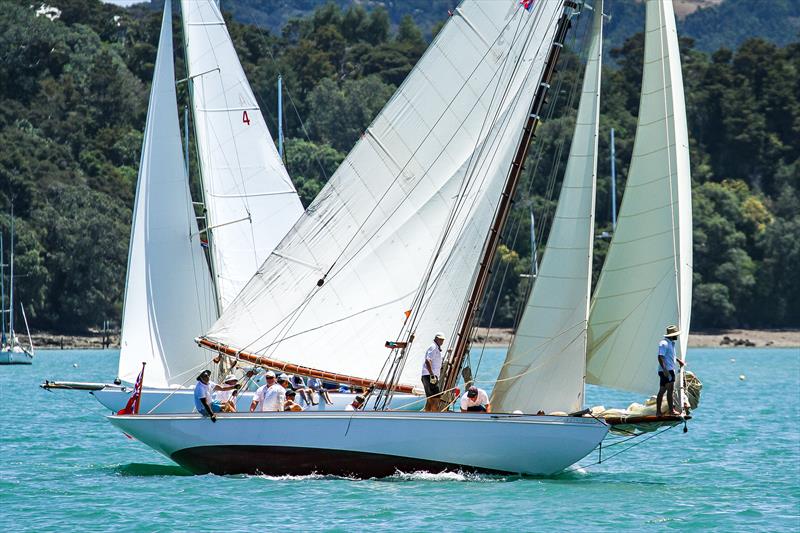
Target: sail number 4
<point x="245" y="118"/>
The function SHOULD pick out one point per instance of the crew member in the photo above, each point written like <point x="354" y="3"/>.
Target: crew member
<point x="203" y="400"/>
<point x="356" y="404"/>
<point x="271" y="396"/>
<point x="316" y="385"/>
<point x="298" y="385"/>
<point x="475" y="399"/>
<point x="431" y="368"/>
<point x="227" y="398"/>
<point x="666" y="369"/>
<point x="290" y="404"/>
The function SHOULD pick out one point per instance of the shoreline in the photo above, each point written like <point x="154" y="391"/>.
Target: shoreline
<point x="494" y="338"/>
<point x="718" y="338"/>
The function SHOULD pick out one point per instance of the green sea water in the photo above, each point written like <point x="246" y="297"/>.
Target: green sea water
<point x="64" y="467"/>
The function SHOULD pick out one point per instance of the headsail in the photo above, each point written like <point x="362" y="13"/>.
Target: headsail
<point x="338" y="285"/>
<point x="544" y="367"/>
<point x="168" y="293"/>
<point x="249" y="198"/>
<point x="646" y="282"/>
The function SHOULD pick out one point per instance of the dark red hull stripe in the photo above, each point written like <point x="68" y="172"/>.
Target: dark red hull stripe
<point x="289" y="460"/>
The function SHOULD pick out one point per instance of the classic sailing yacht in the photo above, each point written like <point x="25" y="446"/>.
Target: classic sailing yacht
<point x="445" y="155"/>
<point x="12" y="352"/>
<point x="173" y="293"/>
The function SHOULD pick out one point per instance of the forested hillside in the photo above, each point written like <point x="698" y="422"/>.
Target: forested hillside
<point x="73" y="92"/>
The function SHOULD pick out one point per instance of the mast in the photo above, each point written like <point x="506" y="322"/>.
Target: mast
<point x="506" y="200"/>
<point x="11" y="283"/>
<point x="613" y="184"/>
<point x="2" y="293"/>
<point x="280" y="116"/>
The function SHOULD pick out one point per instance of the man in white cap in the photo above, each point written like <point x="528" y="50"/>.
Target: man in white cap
<point x="431" y="367"/>
<point x="666" y="369"/>
<point x="227" y="397"/>
<point x="475" y="399"/>
<point x="270" y="396"/>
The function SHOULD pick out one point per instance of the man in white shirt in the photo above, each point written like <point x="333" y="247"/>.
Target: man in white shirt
<point x="203" y="400"/>
<point x="227" y="397"/>
<point x="431" y="367"/>
<point x="666" y="369"/>
<point x="475" y="399"/>
<point x="271" y="396"/>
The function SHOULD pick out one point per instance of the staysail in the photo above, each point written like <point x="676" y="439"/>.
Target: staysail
<point x="249" y="198"/>
<point x="169" y="298"/>
<point x="339" y="284"/>
<point x="646" y="282"/>
<point x="544" y="367"/>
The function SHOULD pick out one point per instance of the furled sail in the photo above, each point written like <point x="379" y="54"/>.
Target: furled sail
<point x="169" y="298"/>
<point x="544" y="366"/>
<point x="249" y="198"/>
<point x="437" y="155"/>
<point x="646" y="282"/>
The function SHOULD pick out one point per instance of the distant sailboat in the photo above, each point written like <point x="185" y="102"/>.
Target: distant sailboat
<point x="12" y="351"/>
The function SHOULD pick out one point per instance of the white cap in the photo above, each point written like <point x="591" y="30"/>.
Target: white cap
<point x="283" y="377"/>
<point x="439" y="335"/>
<point x="269" y="374"/>
<point x="230" y="377"/>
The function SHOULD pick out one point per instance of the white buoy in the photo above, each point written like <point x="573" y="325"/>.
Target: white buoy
<point x="741" y="377"/>
<point x="733" y="360"/>
<point x="74" y="365"/>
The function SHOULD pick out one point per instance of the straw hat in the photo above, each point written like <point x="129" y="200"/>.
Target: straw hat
<point x="672" y="331"/>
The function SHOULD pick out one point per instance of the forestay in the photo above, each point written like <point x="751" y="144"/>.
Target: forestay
<point x="444" y="142"/>
<point x="249" y="198"/>
<point x="169" y="299"/>
<point x="646" y="282"/>
<point x="544" y="367"/>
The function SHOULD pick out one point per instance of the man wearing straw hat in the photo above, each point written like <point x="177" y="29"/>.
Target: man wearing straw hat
<point x="666" y="369"/>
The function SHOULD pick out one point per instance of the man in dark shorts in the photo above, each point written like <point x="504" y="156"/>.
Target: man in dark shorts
<point x="666" y="369"/>
<point x="431" y="367"/>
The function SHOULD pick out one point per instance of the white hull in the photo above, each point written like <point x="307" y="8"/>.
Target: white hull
<point x="15" y="357"/>
<point x="369" y="443"/>
<point x="115" y="397"/>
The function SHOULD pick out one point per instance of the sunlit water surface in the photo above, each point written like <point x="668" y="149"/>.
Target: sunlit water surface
<point x="62" y="465"/>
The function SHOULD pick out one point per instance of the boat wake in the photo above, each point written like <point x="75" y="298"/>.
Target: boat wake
<point x="448" y="476"/>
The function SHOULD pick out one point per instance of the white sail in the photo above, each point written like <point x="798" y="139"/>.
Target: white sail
<point x="646" y="282"/>
<point x="544" y="367"/>
<point x="168" y="294"/>
<point x="249" y="198"/>
<point x="444" y="142"/>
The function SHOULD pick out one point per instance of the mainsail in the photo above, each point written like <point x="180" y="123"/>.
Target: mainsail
<point x="249" y="198"/>
<point x="436" y="157"/>
<point x="646" y="282"/>
<point x="544" y="367"/>
<point x="169" y="298"/>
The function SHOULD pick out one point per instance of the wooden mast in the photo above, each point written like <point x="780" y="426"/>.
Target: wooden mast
<point x="506" y="199"/>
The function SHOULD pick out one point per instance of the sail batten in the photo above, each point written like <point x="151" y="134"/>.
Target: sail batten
<point x="241" y="171"/>
<point x="544" y="366"/>
<point x="443" y="142"/>
<point x="169" y="298"/>
<point x="646" y="280"/>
